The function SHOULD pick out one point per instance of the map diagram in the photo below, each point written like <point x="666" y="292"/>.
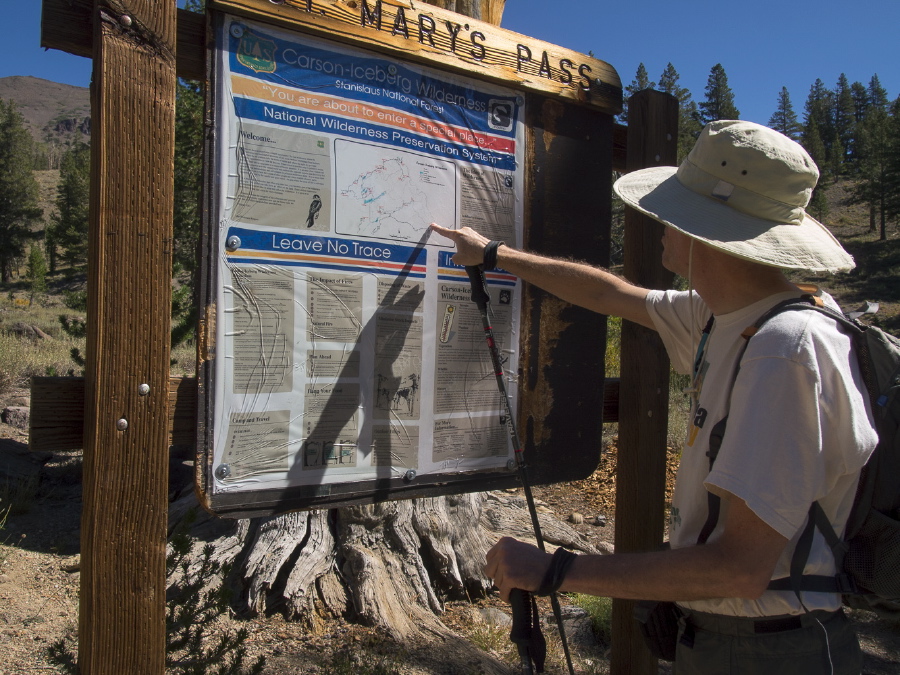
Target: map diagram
<point x="390" y="194"/>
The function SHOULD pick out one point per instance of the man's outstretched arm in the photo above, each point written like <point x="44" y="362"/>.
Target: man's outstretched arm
<point x="581" y="284"/>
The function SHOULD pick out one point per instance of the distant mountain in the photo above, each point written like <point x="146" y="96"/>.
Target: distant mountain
<point x="56" y="114"/>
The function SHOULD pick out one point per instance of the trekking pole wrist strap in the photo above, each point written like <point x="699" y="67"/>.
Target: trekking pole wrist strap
<point x="559" y="566"/>
<point x="489" y="261"/>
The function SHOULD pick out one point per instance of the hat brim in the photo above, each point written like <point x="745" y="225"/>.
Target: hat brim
<point x="808" y="245"/>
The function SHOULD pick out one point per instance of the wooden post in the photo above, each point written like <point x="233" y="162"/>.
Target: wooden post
<point x="644" y="378"/>
<point x="124" y="517"/>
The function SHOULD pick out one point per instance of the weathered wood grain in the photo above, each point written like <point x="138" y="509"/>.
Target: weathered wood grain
<point x="124" y="513"/>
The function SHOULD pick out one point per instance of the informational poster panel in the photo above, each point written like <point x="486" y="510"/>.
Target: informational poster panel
<point x="346" y="346"/>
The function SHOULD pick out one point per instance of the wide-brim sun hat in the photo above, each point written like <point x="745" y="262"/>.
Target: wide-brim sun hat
<point x="743" y="189"/>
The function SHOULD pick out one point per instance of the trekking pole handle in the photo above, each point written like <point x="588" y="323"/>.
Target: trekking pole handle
<point x="520" y="634"/>
<point x="480" y="295"/>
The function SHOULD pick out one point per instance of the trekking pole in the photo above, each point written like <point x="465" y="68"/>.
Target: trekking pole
<point x="523" y="605"/>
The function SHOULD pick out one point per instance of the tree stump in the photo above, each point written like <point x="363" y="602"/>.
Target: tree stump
<point x="391" y="565"/>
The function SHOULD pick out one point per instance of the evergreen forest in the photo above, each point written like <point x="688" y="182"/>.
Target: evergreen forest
<point x="852" y="131"/>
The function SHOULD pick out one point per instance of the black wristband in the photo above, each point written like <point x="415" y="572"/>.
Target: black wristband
<point x="489" y="261"/>
<point x="559" y="567"/>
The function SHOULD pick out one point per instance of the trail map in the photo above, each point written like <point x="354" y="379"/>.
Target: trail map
<point x="395" y="195"/>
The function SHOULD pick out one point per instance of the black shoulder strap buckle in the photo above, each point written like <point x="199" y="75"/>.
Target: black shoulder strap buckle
<point x="846" y="585"/>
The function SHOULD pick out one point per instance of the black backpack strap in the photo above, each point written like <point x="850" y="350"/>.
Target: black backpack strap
<point x="797" y="581"/>
<point x="817" y="520"/>
<point x="713" y="501"/>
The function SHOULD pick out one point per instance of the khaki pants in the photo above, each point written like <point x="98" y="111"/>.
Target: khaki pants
<point x="710" y="644"/>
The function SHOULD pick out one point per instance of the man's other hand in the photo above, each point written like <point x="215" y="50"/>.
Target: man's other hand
<point x="515" y="564"/>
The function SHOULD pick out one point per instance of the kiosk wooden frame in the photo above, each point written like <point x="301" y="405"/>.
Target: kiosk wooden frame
<point x="569" y="102"/>
<point x="126" y="430"/>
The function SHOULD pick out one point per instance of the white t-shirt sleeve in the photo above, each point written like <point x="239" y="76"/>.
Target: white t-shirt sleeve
<point x="678" y="324"/>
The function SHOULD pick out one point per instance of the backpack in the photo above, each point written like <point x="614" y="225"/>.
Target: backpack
<point x="868" y="556"/>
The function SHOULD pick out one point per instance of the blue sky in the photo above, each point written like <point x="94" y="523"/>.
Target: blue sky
<point x="762" y="45"/>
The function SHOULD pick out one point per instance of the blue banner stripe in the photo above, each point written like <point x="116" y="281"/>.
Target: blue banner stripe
<point x="262" y="240"/>
<point x="248" y="108"/>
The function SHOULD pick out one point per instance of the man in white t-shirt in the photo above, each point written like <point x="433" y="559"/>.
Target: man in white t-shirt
<point x="799" y="429"/>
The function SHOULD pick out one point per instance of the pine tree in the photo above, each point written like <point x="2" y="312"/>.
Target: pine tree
<point x="860" y="100"/>
<point x="189" y="106"/>
<point x="818" y="134"/>
<point x="872" y="187"/>
<point x="784" y="119"/>
<point x="836" y="156"/>
<point x="719" y="103"/>
<point x="640" y="82"/>
<point x="878" y="97"/>
<point x="844" y="122"/>
<point x="51" y="247"/>
<point x="812" y="141"/>
<point x="818" y="204"/>
<point x="37" y="272"/>
<point x="19" y="210"/>
<point x="818" y="107"/>
<point x="68" y="229"/>
<point x="860" y="95"/>
<point x="689" y="126"/>
<point x="188" y="172"/>
<point x="188" y="166"/>
<point x="892" y="178"/>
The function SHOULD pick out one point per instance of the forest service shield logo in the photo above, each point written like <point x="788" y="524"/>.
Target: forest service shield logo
<point x="256" y="53"/>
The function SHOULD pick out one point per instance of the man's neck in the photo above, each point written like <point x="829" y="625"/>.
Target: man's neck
<point x="728" y="284"/>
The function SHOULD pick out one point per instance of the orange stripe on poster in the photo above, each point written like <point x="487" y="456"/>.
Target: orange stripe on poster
<point x="321" y="259"/>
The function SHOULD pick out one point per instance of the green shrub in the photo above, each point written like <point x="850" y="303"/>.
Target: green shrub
<point x="600" y="611"/>
<point x="76" y="300"/>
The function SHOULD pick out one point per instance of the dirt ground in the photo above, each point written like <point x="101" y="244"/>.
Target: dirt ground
<point x="39" y="581"/>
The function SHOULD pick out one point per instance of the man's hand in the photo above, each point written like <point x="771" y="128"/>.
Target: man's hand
<point x="515" y="564"/>
<point x="469" y="244"/>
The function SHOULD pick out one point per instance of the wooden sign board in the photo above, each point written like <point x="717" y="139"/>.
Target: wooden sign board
<point x="343" y="361"/>
<point x="417" y="32"/>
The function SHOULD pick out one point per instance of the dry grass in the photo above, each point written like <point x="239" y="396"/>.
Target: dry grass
<point x="18" y="496"/>
<point x="22" y="357"/>
<point x="493" y="639"/>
